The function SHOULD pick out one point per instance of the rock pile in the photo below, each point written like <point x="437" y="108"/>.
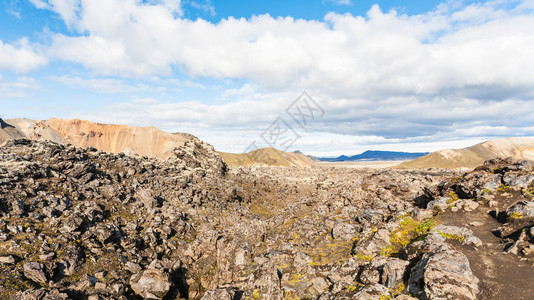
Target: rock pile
<point x="85" y="224"/>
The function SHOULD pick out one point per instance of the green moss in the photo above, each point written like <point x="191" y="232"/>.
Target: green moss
<point x="398" y="290"/>
<point x="408" y="232"/>
<point x="453" y="197"/>
<point x="516" y="215"/>
<point x="487" y="191"/>
<point x="503" y="188"/>
<point x="452" y="236"/>
<point x="364" y="257"/>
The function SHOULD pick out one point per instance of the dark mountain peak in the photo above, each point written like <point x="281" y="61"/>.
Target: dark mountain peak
<point x="376" y="155"/>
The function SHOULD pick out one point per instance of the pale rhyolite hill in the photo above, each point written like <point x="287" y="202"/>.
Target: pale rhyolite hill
<point x="143" y="141"/>
<point x="267" y="157"/>
<point x="471" y="157"/>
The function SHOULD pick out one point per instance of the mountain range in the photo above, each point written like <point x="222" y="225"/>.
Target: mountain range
<point x="374" y="155"/>
<point x="131" y="140"/>
<point x="152" y="142"/>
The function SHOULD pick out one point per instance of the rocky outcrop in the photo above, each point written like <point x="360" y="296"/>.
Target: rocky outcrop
<point x="131" y="140"/>
<point x="151" y="284"/>
<point x="443" y="275"/>
<point x="35" y="271"/>
<point x="143" y="141"/>
<point x="84" y="224"/>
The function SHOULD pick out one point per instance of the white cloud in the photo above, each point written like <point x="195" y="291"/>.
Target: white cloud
<point x="205" y="5"/>
<point x="339" y="2"/>
<point x="17" y="88"/>
<point x="20" y="57"/>
<point x="385" y="53"/>
<point x="101" y="85"/>
<point x="66" y="9"/>
<point x="452" y="73"/>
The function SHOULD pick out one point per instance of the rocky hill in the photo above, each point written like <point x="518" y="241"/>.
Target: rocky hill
<point x="84" y="224"/>
<point x="143" y="141"/>
<point x="267" y="157"/>
<point x="471" y="157"/>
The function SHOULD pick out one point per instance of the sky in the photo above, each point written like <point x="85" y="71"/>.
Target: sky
<point x="326" y="77"/>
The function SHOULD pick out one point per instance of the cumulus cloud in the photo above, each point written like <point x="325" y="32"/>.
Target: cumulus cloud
<point x="459" y="70"/>
<point x="380" y="54"/>
<point x="20" y="57"/>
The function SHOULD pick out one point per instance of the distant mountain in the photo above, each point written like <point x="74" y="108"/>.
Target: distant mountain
<point x="474" y="156"/>
<point x="267" y="157"/>
<point x="374" y="155"/>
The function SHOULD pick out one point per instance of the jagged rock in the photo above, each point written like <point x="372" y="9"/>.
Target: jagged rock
<point x="145" y="196"/>
<point x="433" y="242"/>
<point x="118" y="288"/>
<point x="421" y="214"/>
<point x="220" y="294"/>
<point x="495" y="183"/>
<point x="17" y="207"/>
<point x="520" y="209"/>
<point x="132" y="267"/>
<point x="371" y="272"/>
<point x="197" y="154"/>
<point x="519" y="244"/>
<point x="301" y="262"/>
<point x="443" y="275"/>
<point x="320" y="285"/>
<point x="372" y="216"/>
<point x="343" y="231"/>
<point x="99" y="218"/>
<point x="100" y="286"/>
<point x="378" y="241"/>
<point x="87" y="282"/>
<point x="47" y="256"/>
<point x="405" y="297"/>
<point x="460" y="233"/>
<point x="439" y="204"/>
<point x="467" y="205"/>
<point x="8" y="259"/>
<point x="394" y="272"/>
<point x="264" y="283"/>
<point x="518" y="180"/>
<point x="373" y="292"/>
<point x="42" y="294"/>
<point x="72" y="223"/>
<point x="35" y="271"/>
<point x="151" y="284"/>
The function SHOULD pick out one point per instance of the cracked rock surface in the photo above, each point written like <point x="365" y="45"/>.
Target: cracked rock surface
<point x="83" y="224"/>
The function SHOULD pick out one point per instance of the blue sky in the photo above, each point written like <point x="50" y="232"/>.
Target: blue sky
<point x="389" y="75"/>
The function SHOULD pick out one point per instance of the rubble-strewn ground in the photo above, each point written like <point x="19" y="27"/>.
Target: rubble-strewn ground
<point x="83" y="224"/>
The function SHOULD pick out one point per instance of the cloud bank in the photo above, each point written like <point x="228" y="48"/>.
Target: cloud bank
<point x="457" y="71"/>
